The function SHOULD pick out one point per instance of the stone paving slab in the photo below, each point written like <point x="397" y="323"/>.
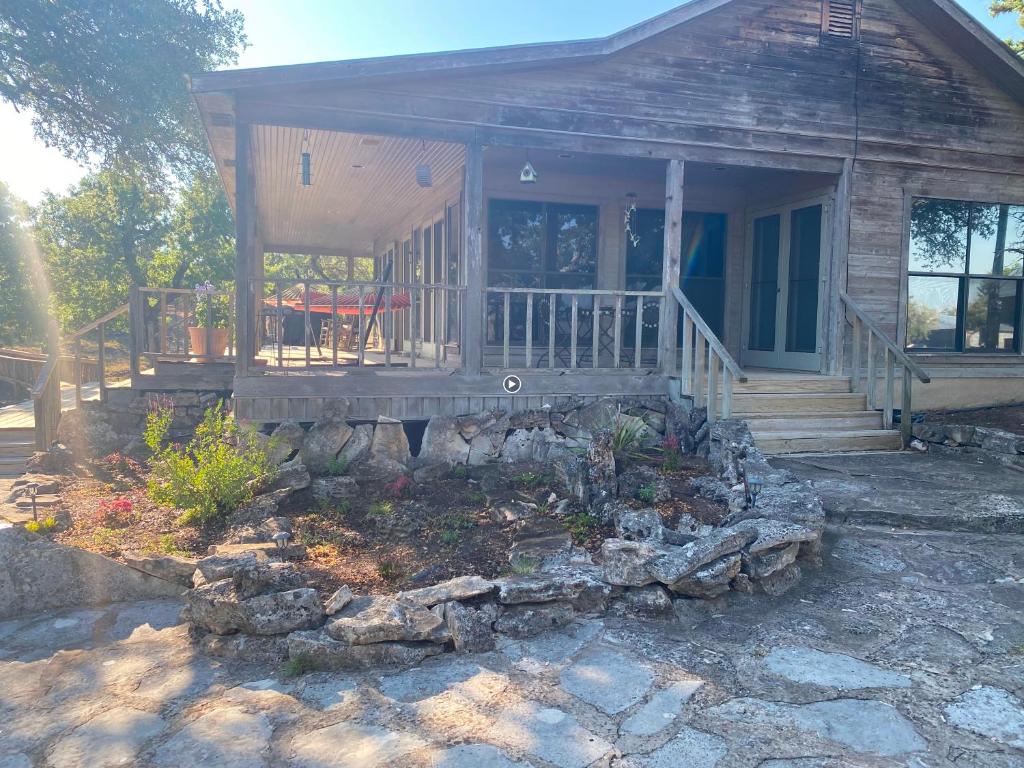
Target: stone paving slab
<point x="862" y="665"/>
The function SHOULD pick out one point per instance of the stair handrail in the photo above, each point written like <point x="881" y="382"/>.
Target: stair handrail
<point x="703" y="355"/>
<point x="894" y="356"/>
<point x="47" y="402"/>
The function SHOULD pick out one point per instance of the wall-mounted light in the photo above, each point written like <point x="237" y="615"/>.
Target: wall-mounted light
<point x="754" y="486"/>
<point x="529" y="174"/>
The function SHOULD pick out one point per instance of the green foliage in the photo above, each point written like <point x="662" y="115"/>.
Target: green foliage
<point x="453" y="524"/>
<point x="671" y="460"/>
<point x="1011" y="6"/>
<point x="382" y="509"/>
<point x="336" y="508"/>
<point x="33" y="526"/>
<point x="211" y="475"/>
<point x="167" y="545"/>
<point x="106" y="80"/>
<point x="646" y="494"/>
<point x="477" y="497"/>
<point x="298" y="665"/>
<point x="459" y="471"/>
<point x="525" y="566"/>
<point x="390" y="571"/>
<point x="626" y="436"/>
<point x="336" y="467"/>
<point x="528" y="479"/>
<point x="581" y="525"/>
<point x="21" y="317"/>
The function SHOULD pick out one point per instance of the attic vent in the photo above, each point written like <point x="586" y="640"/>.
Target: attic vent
<point x="841" y="18"/>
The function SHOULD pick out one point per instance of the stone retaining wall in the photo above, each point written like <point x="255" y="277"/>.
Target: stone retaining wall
<point x="964" y="439"/>
<point x="247" y="603"/>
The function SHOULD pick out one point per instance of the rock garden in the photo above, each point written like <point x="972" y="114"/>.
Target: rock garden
<point x="342" y="545"/>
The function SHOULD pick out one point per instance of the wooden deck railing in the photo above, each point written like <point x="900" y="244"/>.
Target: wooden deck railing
<point x="706" y="365"/>
<point x="567" y="328"/>
<point x="866" y="333"/>
<point x="162" y="319"/>
<point x="349" y="323"/>
<point x="47" y="403"/>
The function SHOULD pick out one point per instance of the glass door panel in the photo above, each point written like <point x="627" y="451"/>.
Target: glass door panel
<point x="804" y="275"/>
<point x="764" y="282"/>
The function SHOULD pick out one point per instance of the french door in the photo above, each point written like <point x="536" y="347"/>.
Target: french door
<point x="785" y="286"/>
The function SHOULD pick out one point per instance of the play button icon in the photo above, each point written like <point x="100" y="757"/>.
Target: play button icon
<point x="512" y="384"/>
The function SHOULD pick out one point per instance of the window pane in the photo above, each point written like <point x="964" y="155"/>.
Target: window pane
<point x="573" y="238"/>
<point x="991" y="315"/>
<point x="931" y="313"/>
<point x="804" y="269"/>
<point x="703" y="244"/>
<point x="938" y="236"/>
<point x="516" y="234"/>
<point x="644" y="260"/>
<point x="764" y="282"/>
<point x="997" y="239"/>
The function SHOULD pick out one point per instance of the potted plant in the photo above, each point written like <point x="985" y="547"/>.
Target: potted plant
<point x="209" y="337"/>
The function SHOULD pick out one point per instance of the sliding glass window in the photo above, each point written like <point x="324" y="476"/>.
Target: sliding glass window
<point x="965" y="277"/>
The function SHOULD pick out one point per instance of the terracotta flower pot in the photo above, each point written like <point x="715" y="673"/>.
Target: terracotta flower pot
<point x="218" y="338"/>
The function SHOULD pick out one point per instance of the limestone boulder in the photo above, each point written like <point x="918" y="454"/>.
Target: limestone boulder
<point x="528" y="619"/>
<point x="781" y="581"/>
<point x="628" y="563"/>
<point x="341" y="597"/>
<point x="471" y="629"/>
<point x="772" y="534"/>
<point x="652" y="600"/>
<point x="326" y="489"/>
<point x="178" y="570"/>
<point x="443" y="442"/>
<point x="709" y="581"/>
<point x="293" y="475"/>
<point x="676" y="563"/>
<point x="262" y="577"/>
<point x="638" y="524"/>
<point x="486" y="436"/>
<point x="389" y="442"/>
<point x="376" y="619"/>
<point x="323" y="652"/>
<point x="544" y="543"/>
<point x="459" y="588"/>
<point x="285" y="440"/>
<point x="216" y="567"/>
<point x="219" y="608"/>
<point x="767" y="562"/>
<point x="358" y="446"/>
<point x="563" y="584"/>
<point x="326" y="437"/>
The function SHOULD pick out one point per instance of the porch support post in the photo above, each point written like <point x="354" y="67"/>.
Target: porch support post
<point x="472" y="249"/>
<point x="243" y="252"/>
<point x="670" y="268"/>
<point x="835" y="334"/>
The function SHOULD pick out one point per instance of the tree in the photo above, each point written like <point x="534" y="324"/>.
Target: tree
<point x="105" y="80"/>
<point x="921" y="321"/>
<point x="20" y="317"/>
<point x="99" y="240"/>
<point x="1011" y="6"/>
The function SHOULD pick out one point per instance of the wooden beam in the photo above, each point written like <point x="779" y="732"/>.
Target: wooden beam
<point x="670" y="266"/>
<point x="472" y="250"/>
<point x="836" y="330"/>
<point x="243" y="251"/>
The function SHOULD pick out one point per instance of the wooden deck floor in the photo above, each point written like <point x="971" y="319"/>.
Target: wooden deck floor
<point x="21" y="416"/>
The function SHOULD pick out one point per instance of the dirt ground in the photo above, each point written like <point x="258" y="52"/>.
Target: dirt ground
<point x="386" y="537"/>
<point x="1010" y="418"/>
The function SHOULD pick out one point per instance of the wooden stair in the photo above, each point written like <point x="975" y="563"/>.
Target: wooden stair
<point x="16" y="446"/>
<point x="804" y="413"/>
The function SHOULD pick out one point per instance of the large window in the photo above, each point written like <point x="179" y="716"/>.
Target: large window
<point x="702" y="263"/>
<point x="966" y="276"/>
<point x="537" y="245"/>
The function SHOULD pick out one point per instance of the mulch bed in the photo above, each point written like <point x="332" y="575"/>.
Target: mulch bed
<point x="390" y="537"/>
<point x="1009" y="418"/>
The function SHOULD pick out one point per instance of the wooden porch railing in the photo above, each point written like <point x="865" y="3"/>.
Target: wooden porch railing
<point x="703" y="358"/>
<point x="162" y="317"/>
<point x="358" y="324"/>
<point x="47" y="403"/>
<point x="867" y="333"/>
<point x="573" y="328"/>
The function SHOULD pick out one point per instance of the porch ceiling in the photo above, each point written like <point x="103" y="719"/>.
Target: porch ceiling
<point x="360" y="185"/>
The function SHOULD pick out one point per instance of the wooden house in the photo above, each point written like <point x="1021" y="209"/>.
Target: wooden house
<point x="786" y="210"/>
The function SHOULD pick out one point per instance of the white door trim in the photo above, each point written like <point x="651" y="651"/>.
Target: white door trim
<point x="779" y="358"/>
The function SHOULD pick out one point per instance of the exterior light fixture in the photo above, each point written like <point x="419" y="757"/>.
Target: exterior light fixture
<point x="754" y="486"/>
<point x="33" y="491"/>
<point x="529" y="174"/>
<point x="281" y="538"/>
<point x="307" y="179"/>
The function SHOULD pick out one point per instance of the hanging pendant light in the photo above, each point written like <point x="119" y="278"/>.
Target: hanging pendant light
<point x="424" y="174"/>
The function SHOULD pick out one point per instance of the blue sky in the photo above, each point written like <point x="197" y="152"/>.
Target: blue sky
<point x="319" y="30"/>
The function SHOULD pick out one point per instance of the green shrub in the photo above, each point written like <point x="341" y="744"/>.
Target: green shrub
<point x="528" y="479"/>
<point x="382" y="509"/>
<point x="34" y="526"/>
<point x="459" y="471"/>
<point x="581" y="525"/>
<point x="646" y="494"/>
<point x="626" y="436"/>
<point x="212" y="475"/>
<point x="336" y="467"/>
<point x="298" y="665"/>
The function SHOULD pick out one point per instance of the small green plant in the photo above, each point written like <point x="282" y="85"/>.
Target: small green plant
<point x="390" y="571"/>
<point x="382" y="509"/>
<point x="33" y="526"/>
<point x="209" y="477"/>
<point x="336" y="467"/>
<point x="671" y="460"/>
<point x="477" y="497"/>
<point x="626" y="435"/>
<point x="646" y="494"/>
<point x="298" y="665"/>
<point x="213" y="309"/>
<point x="168" y="546"/>
<point x="50" y="524"/>
<point x="528" y="479"/>
<point x="581" y="525"/>
<point x="459" y="471"/>
<point x="335" y="508"/>
<point x="525" y="566"/>
<point x="452" y="526"/>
